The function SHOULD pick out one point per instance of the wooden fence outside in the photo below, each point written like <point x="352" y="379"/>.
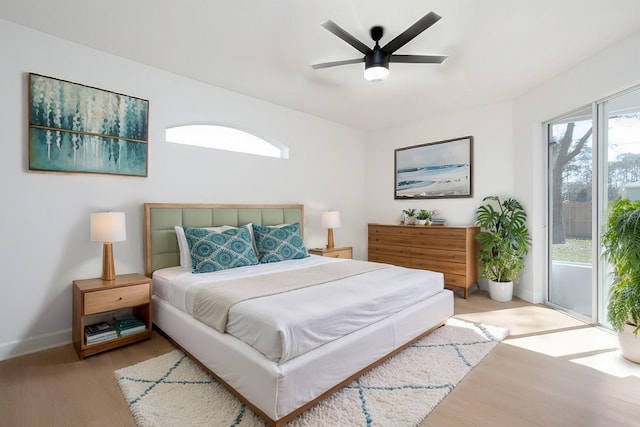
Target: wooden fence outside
<point x="577" y="220"/>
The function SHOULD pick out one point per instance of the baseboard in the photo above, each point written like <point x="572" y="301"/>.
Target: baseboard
<point x="11" y="349"/>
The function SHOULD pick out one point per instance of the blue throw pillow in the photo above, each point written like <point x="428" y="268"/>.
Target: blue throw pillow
<point x="213" y="251"/>
<point x="279" y="243"/>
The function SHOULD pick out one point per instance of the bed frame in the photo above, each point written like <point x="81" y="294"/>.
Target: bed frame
<point x="161" y="251"/>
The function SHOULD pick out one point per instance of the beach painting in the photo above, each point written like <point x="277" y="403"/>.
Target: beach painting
<point x="441" y="169"/>
<point x="75" y="128"/>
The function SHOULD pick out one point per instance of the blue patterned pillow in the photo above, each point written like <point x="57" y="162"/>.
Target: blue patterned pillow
<point x="212" y="251"/>
<point x="279" y="243"/>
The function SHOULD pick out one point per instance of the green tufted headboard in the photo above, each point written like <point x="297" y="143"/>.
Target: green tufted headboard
<point x="161" y="245"/>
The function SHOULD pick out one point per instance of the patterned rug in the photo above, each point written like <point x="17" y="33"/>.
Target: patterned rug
<point x="171" y="390"/>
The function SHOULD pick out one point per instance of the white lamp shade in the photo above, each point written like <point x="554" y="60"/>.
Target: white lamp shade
<point x="331" y="219"/>
<point x="376" y="74"/>
<point x="108" y="227"/>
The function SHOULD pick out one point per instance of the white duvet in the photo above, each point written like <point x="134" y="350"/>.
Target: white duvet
<point x="289" y="324"/>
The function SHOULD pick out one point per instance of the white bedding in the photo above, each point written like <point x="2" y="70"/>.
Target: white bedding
<point x="286" y="325"/>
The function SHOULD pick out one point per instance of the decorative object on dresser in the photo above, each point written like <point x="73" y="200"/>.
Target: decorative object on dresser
<point x="108" y="227"/>
<point x="98" y="306"/>
<point x="504" y="242"/>
<point x="330" y="220"/>
<point x="424" y="216"/>
<point x="409" y="216"/>
<point x="442" y="169"/>
<point x="446" y="249"/>
<point x="83" y="129"/>
<point x="345" y="252"/>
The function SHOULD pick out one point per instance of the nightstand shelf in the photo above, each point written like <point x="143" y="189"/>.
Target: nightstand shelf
<point x="93" y="297"/>
<point x="345" y="252"/>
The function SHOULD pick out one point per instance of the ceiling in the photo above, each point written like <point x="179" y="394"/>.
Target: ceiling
<point x="498" y="49"/>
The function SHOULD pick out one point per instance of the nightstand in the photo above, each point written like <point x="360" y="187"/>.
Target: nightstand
<point x="95" y="297"/>
<point x="346" y="252"/>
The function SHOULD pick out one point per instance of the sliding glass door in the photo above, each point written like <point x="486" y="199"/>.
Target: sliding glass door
<point x="571" y="180"/>
<point x="593" y="159"/>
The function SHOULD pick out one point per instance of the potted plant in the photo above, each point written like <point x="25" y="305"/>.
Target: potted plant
<point x="409" y="216"/>
<point x="621" y="242"/>
<point x="424" y="216"/>
<point x="504" y="242"/>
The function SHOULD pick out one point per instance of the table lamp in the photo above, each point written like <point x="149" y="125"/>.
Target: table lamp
<point x="330" y="220"/>
<point x="108" y="227"/>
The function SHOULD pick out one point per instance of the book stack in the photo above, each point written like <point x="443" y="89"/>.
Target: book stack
<point x="100" y="331"/>
<point x="127" y="324"/>
<point x="438" y="221"/>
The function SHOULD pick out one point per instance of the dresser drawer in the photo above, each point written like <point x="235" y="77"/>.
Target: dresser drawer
<point x="441" y="266"/>
<point x="439" y="243"/>
<point x="389" y="239"/>
<point x="393" y="230"/>
<point x="439" y="255"/>
<point x="441" y="232"/>
<point x="113" y="299"/>
<point x="378" y="249"/>
<point x="401" y="261"/>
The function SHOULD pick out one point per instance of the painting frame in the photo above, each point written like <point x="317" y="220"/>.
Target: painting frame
<point x="435" y="170"/>
<point x="75" y="128"/>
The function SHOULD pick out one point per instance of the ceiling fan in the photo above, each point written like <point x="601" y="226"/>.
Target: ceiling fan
<point x="376" y="60"/>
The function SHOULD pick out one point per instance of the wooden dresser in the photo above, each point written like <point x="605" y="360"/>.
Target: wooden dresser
<point x="449" y="250"/>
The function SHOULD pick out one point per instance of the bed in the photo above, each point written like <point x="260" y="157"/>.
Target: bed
<point x="280" y="371"/>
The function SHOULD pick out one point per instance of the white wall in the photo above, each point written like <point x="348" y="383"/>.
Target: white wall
<point x="608" y="72"/>
<point x="491" y="128"/>
<point x="509" y="150"/>
<point x="492" y="166"/>
<point x="46" y="215"/>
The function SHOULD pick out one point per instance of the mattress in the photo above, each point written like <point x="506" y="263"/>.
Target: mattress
<point x="290" y="324"/>
<point x="276" y="390"/>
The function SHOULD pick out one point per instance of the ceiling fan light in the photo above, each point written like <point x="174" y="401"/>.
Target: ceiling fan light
<point x="376" y="73"/>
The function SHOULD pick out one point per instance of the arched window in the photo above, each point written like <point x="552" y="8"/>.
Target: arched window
<point x="224" y="138"/>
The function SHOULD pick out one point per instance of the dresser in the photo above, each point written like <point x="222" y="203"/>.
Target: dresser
<point x="450" y="250"/>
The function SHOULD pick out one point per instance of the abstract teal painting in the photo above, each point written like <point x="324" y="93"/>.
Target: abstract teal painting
<point x="78" y="128"/>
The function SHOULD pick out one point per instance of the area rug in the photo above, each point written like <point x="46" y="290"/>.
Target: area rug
<point x="171" y="390"/>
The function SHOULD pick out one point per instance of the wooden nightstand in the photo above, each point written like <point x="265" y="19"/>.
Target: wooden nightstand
<point x="96" y="296"/>
<point x="346" y="252"/>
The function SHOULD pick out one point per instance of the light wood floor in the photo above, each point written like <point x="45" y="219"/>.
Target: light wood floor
<point x="552" y="371"/>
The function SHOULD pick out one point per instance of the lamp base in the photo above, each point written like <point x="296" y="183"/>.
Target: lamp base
<point x="330" y="238"/>
<point x="108" y="267"/>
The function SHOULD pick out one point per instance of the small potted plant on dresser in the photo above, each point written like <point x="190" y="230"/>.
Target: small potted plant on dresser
<point x="504" y="242"/>
<point x="409" y="216"/>
<point x="424" y="217"/>
<point x="621" y="241"/>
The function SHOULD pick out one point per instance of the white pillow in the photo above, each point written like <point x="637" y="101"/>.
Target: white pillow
<point x="183" y="246"/>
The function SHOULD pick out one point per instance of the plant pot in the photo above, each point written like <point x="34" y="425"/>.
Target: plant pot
<point x="500" y="291"/>
<point x="421" y="221"/>
<point x="629" y="343"/>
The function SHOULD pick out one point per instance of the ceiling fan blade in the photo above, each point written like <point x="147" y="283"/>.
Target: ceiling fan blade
<point x="336" y="63"/>
<point x="418" y="59"/>
<point x="338" y="31"/>
<point x="410" y="33"/>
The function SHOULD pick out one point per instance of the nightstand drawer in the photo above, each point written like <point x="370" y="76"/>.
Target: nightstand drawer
<point x="342" y="253"/>
<point x="113" y="299"/>
<point x="346" y="252"/>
